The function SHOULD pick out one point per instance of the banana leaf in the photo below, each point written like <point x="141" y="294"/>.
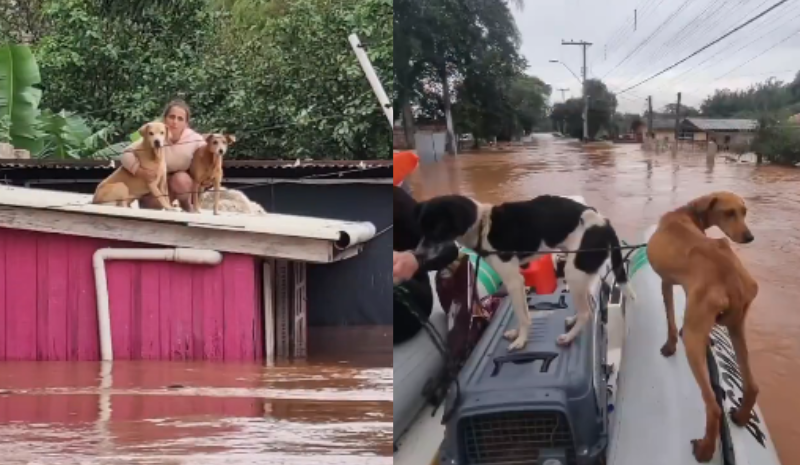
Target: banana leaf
<point x="19" y="99"/>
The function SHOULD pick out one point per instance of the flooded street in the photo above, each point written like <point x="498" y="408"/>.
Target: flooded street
<point x="633" y="189"/>
<point x="195" y="413"/>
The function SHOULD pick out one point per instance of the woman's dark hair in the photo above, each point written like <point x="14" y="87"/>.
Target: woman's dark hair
<point x="180" y="104"/>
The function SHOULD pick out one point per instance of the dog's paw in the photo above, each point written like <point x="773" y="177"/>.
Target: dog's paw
<point x="739" y="417"/>
<point x="511" y="334"/>
<point x="569" y="322"/>
<point x="564" y="340"/>
<point x="668" y="350"/>
<point x="702" y="450"/>
<point x="518" y="344"/>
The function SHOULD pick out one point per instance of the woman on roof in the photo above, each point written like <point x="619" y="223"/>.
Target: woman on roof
<point x="183" y="141"/>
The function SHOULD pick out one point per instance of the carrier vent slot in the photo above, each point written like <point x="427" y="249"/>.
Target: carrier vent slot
<point x="524" y="357"/>
<point x="514" y="438"/>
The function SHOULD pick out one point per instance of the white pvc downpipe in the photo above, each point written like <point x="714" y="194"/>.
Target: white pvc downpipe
<point x="366" y="65"/>
<point x="181" y="255"/>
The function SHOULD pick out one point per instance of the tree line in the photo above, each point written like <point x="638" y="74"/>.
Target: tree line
<point x="281" y="75"/>
<point x="458" y="61"/>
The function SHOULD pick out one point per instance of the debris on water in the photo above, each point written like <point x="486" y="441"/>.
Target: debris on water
<point x="176" y="386"/>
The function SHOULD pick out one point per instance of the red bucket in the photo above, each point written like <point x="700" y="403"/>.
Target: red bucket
<point x="540" y="274"/>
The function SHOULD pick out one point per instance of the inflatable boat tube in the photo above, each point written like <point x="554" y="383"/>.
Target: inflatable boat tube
<point x="659" y="409"/>
<point x="416" y="361"/>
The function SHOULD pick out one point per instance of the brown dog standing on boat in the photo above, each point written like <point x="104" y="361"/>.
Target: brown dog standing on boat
<point x="123" y="188"/>
<point x="206" y="168"/>
<point x="719" y="290"/>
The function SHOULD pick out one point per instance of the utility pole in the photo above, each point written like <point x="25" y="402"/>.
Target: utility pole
<point x="650" y="115"/>
<point x="678" y="119"/>
<point x="563" y="98"/>
<point x="635" y="20"/>
<point x="583" y="44"/>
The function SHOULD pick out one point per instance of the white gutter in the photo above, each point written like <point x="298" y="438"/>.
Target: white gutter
<point x="366" y="65"/>
<point x="181" y="255"/>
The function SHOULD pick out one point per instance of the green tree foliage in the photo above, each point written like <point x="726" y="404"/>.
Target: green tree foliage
<point x="567" y="116"/>
<point x="769" y="96"/>
<point x="474" y="46"/>
<point x="623" y="123"/>
<point x="19" y="97"/>
<point x="777" y="141"/>
<point x="20" y="21"/>
<point x="772" y="102"/>
<point x="528" y="96"/>
<point x="284" y="80"/>
<point x="671" y="108"/>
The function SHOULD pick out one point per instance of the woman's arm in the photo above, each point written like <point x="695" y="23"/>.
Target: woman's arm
<point x="128" y="158"/>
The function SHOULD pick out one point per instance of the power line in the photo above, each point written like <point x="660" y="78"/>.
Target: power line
<point x="794" y="33"/>
<point x="732" y="31"/>
<point x="674" y="79"/>
<point x="673" y="43"/>
<point x="650" y="37"/>
<point x="747" y="44"/>
<point x="621" y="37"/>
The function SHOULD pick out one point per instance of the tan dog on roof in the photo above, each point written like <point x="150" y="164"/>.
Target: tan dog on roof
<point x="206" y="168"/>
<point x="122" y="187"/>
<point x="719" y="290"/>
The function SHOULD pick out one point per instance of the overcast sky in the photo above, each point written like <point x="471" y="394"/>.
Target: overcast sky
<point x="608" y="24"/>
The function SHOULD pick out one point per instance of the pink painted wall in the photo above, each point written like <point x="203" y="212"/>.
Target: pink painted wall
<point x="159" y="310"/>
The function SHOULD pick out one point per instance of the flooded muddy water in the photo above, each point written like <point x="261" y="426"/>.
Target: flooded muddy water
<point x="633" y="189"/>
<point x="195" y="413"/>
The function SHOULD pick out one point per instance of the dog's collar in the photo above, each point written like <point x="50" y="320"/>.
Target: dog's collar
<point x="701" y="223"/>
<point x="479" y="244"/>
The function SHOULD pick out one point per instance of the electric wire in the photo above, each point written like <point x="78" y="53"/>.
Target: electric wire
<point x="710" y="44"/>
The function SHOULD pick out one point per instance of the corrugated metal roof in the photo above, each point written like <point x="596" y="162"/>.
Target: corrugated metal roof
<point x="661" y="123"/>
<point x="282" y="164"/>
<point x="58" y="164"/>
<point x="720" y="124"/>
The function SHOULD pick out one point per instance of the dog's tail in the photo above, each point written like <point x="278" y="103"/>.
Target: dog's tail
<point x="617" y="263"/>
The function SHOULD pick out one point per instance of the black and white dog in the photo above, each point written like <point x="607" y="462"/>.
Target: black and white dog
<point x="507" y="235"/>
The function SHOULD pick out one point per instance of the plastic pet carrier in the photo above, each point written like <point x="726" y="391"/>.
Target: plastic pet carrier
<point x="544" y="405"/>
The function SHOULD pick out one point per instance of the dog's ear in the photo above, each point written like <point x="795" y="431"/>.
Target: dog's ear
<point x="208" y="138"/>
<point x="143" y="129"/>
<point x="704" y="204"/>
<point x="230" y="138"/>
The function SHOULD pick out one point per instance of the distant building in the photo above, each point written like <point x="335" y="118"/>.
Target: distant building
<point x="723" y="131"/>
<point x="663" y="129"/>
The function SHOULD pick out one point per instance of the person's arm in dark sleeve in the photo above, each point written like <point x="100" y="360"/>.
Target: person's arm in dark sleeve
<point x="407" y="235"/>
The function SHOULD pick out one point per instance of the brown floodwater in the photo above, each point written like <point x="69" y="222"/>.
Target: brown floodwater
<point x="633" y="189"/>
<point x="195" y="413"/>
